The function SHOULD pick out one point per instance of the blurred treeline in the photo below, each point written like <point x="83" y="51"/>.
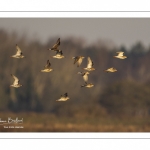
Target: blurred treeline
<point x="126" y="92"/>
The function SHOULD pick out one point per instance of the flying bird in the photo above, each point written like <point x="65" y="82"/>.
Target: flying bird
<point x="89" y="65"/>
<point x="63" y="97"/>
<point x="19" y="53"/>
<point x="47" y="67"/>
<point x="84" y="75"/>
<point x="16" y="82"/>
<point x="88" y="85"/>
<point x="78" y="60"/>
<point x="120" y="55"/>
<point x="111" y="70"/>
<point x="59" y="54"/>
<point x="55" y="46"/>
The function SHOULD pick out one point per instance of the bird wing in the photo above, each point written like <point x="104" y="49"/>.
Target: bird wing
<point x="16" y="80"/>
<point x="48" y="64"/>
<point x="120" y="53"/>
<point x="59" y="53"/>
<point x="79" y="61"/>
<point x="18" y="50"/>
<point x="90" y="63"/>
<point x="55" y="46"/>
<point x="85" y="77"/>
<point x="65" y="94"/>
<point x="76" y="59"/>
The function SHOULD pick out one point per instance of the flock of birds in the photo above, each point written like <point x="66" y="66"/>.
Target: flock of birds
<point x="59" y="55"/>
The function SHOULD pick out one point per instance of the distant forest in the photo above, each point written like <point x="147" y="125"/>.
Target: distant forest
<point x="123" y="93"/>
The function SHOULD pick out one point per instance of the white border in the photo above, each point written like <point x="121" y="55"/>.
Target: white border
<point x="71" y="135"/>
<point x="74" y="14"/>
<point x="79" y="135"/>
<point x="74" y="5"/>
<point x="114" y="5"/>
<point x="78" y="144"/>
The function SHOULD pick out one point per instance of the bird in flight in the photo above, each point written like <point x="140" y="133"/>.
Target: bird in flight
<point x="55" y="46"/>
<point x="84" y="75"/>
<point x="88" y="85"/>
<point x="47" y="67"/>
<point x="59" y="54"/>
<point x="120" y="55"/>
<point x="16" y="82"/>
<point x="19" y="53"/>
<point x="111" y="70"/>
<point x="89" y="65"/>
<point x="78" y="60"/>
<point x="63" y="97"/>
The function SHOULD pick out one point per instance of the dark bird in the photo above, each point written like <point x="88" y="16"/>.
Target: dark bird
<point x="47" y="67"/>
<point x="55" y="46"/>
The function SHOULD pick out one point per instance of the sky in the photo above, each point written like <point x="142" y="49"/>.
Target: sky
<point x="120" y="31"/>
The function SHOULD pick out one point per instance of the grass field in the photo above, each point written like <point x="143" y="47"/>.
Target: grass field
<point x="44" y="122"/>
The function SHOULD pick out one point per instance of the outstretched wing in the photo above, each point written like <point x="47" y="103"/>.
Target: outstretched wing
<point x="85" y="77"/>
<point x="79" y="61"/>
<point x="65" y="94"/>
<point x="120" y="53"/>
<point x="55" y="46"/>
<point x="16" y="80"/>
<point x="18" y="50"/>
<point x="47" y="66"/>
<point x="59" y="52"/>
<point x="90" y="63"/>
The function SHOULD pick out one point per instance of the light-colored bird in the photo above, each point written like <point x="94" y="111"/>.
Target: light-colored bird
<point x="63" y="97"/>
<point x="88" y="85"/>
<point x="120" y="55"/>
<point x="111" y="70"/>
<point x="19" y="53"/>
<point x="55" y="46"/>
<point x="89" y="65"/>
<point x="59" y="55"/>
<point x="78" y="60"/>
<point x="47" y="67"/>
<point x="84" y="75"/>
<point x="16" y="82"/>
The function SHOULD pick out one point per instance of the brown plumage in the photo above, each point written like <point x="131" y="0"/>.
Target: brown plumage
<point x="78" y="60"/>
<point x="47" y="67"/>
<point x="84" y="75"/>
<point x="55" y="46"/>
